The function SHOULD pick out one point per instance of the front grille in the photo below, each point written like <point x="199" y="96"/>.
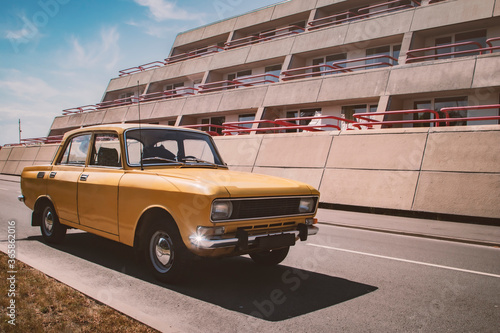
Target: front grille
<point x="265" y="208"/>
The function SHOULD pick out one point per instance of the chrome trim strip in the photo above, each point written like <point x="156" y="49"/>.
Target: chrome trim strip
<point x="231" y="242"/>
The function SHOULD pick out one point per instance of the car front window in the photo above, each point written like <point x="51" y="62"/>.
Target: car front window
<point x="170" y="147"/>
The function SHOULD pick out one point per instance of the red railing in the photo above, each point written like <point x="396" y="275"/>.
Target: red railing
<point x="132" y="70"/>
<point x="336" y="67"/>
<point x="437" y="120"/>
<point x="350" y="16"/>
<point x="193" y="54"/>
<point x="242" y="42"/>
<point x="209" y="128"/>
<point x="479" y="50"/>
<point x="37" y="141"/>
<point x="81" y="109"/>
<point x="244" y="81"/>
<point x="281" y="32"/>
<point x="177" y="92"/>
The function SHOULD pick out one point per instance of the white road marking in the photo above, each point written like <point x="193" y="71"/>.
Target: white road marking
<point x="407" y="261"/>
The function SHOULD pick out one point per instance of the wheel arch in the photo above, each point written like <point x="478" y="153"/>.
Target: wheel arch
<point x="147" y="217"/>
<point x="37" y="209"/>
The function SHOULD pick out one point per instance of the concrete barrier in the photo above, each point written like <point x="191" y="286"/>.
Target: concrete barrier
<point x="452" y="170"/>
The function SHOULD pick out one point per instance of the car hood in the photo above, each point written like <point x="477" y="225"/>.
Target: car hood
<point x="237" y="184"/>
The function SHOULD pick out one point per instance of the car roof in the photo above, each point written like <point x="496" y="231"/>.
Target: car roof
<point x="120" y="128"/>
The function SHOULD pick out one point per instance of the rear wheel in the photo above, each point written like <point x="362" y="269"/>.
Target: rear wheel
<point x="52" y="231"/>
<point x="270" y="257"/>
<point x="165" y="254"/>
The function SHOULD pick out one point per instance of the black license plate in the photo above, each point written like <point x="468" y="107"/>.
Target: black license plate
<point x="275" y="242"/>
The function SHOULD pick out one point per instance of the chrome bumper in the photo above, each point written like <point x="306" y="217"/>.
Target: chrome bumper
<point x="204" y="243"/>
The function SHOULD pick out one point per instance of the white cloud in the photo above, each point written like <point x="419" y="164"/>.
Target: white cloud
<point x="105" y="51"/>
<point x="162" y="10"/>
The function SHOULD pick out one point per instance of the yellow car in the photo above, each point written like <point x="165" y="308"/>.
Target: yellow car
<point x="166" y="192"/>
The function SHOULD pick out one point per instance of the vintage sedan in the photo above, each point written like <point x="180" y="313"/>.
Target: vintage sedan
<point x="166" y="192"/>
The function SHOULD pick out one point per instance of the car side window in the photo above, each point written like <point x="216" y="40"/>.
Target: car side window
<point x="76" y="150"/>
<point x="106" y="150"/>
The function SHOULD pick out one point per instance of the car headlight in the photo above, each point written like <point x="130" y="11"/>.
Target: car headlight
<point x="306" y="205"/>
<point x="221" y="210"/>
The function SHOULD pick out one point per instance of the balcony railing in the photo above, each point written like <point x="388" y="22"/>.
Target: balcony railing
<point x="337" y="67"/>
<point x="244" y="81"/>
<point x="193" y="54"/>
<point x="132" y="70"/>
<point x="361" y="13"/>
<point x="177" y="92"/>
<point x="80" y="109"/>
<point x="476" y="49"/>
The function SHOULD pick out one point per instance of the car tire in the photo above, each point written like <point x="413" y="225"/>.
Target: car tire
<point x="270" y="257"/>
<point x="165" y="253"/>
<point x="52" y="231"/>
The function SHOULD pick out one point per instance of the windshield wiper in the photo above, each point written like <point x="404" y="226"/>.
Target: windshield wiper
<point x="197" y="160"/>
<point x="156" y="158"/>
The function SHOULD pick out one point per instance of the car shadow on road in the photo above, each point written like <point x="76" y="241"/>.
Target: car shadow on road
<point x="270" y="293"/>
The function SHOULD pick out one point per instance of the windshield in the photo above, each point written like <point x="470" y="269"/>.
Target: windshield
<point x="170" y="147"/>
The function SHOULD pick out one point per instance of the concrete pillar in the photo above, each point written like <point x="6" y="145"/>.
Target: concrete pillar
<point x="405" y="47"/>
<point x="258" y="116"/>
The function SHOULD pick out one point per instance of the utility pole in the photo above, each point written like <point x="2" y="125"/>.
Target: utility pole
<point x="20" y="130"/>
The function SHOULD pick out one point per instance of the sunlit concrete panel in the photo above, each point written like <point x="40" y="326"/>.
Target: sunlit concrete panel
<point x="300" y="151"/>
<point x="270" y="49"/>
<point x="17" y="153"/>
<point x="382" y="26"/>
<point x="202" y="103"/>
<point x="165" y="72"/>
<point x="309" y="176"/>
<point x="370" y="83"/>
<point x="240" y="168"/>
<point x="239" y="150"/>
<point x="427" y="77"/>
<point x="10" y="168"/>
<point x="145" y="108"/>
<point x="189" y="36"/>
<point x="219" y="28"/>
<point x="322" y="3"/>
<point x="46" y="153"/>
<point x="193" y="66"/>
<point x="30" y="153"/>
<point x="4" y="153"/>
<point x="383" y="152"/>
<point x="254" y="18"/>
<point x="2" y="165"/>
<point x="319" y="39"/>
<point x="118" y="83"/>
<point x="229" y="58"/>
<point x="75" y="120"/>
<point x="21" y="166"/>
<point x="465" y="151"/>
<point x="93" y="118"/>
<point x="168" y="108"/>
<point x="497" y="9"/>
<point x="115" y="115"/>
<point x="472" y="194"/>
<point x="369" y="188"/>
<point x="487" y="73"/>
<point x="292" y="7"/>
<point x="243" y="99"/>
<point x="59" y="122"/>
<point x="305" y="91"/>
<point x="451" y="12"/>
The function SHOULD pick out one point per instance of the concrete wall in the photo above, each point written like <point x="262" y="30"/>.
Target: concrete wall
<point x="453" y="170"/>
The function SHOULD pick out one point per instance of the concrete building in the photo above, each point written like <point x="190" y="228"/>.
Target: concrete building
<point x="356" y="89"/>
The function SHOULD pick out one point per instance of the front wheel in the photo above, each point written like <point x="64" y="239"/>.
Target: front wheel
<point x="52" y="231"/>
<point x="270" y="257"/>
<point x="165" y="254"/>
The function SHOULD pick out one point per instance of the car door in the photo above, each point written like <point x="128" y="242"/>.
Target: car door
<point x="98" y="185"/>
<point x="63" y="179"/>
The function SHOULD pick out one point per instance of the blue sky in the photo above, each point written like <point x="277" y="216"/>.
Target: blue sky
<point x="59" y="54"/>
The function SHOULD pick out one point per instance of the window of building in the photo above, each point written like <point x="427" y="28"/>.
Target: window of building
<point x="246" y="117"/>
<point x="214" y="121"/>
<point x="440" y="103"/>
<point x="348" y="111"/>
<point x="418" y="116"/>
<point x="302" y="114"/>
<point x="242" y="74"/>
<point x="388" y="50"/>
<point x="330" y="61"/>
<point x="173" y="86"/>
<point x="273" y="70"/>
<point x="478" y="36"/>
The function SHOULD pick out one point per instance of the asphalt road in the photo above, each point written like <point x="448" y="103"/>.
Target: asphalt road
<point x="342" y="280"/>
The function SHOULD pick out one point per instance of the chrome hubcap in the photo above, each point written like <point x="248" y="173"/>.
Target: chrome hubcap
<point x="48" y="220"/>
<point x="162" y="253"/>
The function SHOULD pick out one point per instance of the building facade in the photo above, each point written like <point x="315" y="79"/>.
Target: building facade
<point x="326" y="61"/>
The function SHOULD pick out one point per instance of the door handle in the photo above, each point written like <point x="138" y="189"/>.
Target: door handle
<point x="84" y="177"/>
<point x="53" y="174"/>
